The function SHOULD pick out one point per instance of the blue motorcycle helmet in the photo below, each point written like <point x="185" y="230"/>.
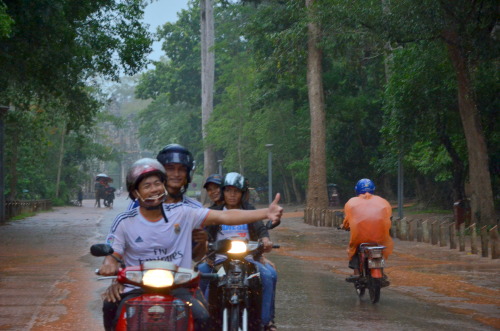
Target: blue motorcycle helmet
<point x="364" y="186"/>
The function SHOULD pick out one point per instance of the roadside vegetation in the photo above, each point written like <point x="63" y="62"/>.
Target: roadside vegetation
<point x="400" y="84"/>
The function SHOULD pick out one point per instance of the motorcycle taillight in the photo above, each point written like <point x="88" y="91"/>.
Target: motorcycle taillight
<point x="375" y="252"/>
<point x="153" y="315"/>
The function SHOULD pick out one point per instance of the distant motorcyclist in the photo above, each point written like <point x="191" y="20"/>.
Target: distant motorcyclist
<point x="368" y="217"/>
<point x="109" y="196"/>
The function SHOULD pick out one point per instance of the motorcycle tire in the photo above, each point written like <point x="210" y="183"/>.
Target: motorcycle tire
<point x="234" y="318"/>
<point x="374" y="289"/>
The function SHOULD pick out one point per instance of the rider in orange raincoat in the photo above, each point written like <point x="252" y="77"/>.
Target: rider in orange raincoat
<point x="368" y="217"/>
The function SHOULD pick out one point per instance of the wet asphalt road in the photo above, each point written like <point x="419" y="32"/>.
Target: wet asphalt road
<point x="47" y="281"/>
<point x="309" y="297"/>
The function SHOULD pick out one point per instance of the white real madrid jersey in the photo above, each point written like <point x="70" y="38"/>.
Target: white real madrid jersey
<point x="170" y="239"/>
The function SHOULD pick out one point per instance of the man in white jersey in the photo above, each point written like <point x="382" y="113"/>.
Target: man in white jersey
<point x="159" y="231"/>
<point x="179" y="166"/>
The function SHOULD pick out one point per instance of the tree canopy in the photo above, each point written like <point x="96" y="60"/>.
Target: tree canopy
<point x="400" y="79"/>
<point x="51" y="55"/>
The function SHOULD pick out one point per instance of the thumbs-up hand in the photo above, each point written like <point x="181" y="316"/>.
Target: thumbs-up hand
<point x="275" y="211"/>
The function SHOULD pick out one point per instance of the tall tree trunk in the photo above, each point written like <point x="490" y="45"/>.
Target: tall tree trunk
<point x="317" y="195"/>
<point x="286" y="189"/>
<point x="207" y="82"/>
<point x="458" y="168"/>
<point x="61" y="156"/>
<point x="3" y="111"/>
<point x="296" y="190"/>
<point x="14" y="157"/>
<point x="481" y="194"/>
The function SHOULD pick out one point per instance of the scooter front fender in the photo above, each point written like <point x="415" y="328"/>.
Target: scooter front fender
<point x="153" y="310"/>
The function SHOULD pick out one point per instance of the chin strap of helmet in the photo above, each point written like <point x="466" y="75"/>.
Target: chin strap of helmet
<point x="163" y="198"/>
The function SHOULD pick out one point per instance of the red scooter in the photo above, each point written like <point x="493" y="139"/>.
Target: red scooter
<point x="156" y="308"/>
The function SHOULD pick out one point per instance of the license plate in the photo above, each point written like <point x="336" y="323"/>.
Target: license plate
<point x="376" y="263"/>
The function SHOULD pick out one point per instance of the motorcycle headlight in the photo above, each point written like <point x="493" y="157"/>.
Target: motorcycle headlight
<point x="158" y="278"/>
<point x="237" y="247"/>
<point x="134" y="276"/>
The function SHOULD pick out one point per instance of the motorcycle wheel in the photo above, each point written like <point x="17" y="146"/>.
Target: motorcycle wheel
<point x="374" y="289"/>
<point x="234" y="318"/>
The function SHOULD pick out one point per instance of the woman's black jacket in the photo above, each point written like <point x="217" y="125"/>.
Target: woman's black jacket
<point x="256" y="230"/>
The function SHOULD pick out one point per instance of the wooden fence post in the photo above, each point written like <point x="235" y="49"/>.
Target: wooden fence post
<point x="404" y="229"/>
<point x="425" y="231"/>
<point x="398" y="228"/>
<point x="434" y="233"/>
<point x="442" y="235"/>
<point x="484" y="241"/>
<point x="473" y="238"/>
<point x="495" y="244"/>
<point x="419" y="231"/>
<point x="461" y="237"/>
<point x="453" y="235"/>
<point x="411" y="230"/>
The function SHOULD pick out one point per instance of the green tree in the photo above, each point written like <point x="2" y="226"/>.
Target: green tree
<point x="465" y="28"/>
<point x="5" y="20"/>
<point x="50" y="57"/>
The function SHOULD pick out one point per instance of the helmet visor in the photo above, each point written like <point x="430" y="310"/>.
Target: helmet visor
<point x="176" y="157"/>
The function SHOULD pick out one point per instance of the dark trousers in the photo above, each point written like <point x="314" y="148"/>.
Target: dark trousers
<point x="111" y="310"/>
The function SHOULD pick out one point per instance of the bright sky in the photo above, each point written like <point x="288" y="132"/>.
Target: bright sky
<point x="158" y="13"/>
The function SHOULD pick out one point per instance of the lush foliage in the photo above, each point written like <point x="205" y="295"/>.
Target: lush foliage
<point x="51" y="53"/>
<point x="390" y="90"/>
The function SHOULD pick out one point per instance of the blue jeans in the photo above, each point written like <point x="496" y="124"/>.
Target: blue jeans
<point x="268" y="277"/>
<point x="204" y="268"/>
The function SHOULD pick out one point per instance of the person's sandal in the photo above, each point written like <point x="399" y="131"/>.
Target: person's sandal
<point x="271" y="327"/>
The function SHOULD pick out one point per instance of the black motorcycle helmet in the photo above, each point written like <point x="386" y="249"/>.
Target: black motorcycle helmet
<point x="175" y="153"/>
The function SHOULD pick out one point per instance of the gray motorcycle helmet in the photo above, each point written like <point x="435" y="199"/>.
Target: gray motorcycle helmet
<point x="235" y="179"/>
